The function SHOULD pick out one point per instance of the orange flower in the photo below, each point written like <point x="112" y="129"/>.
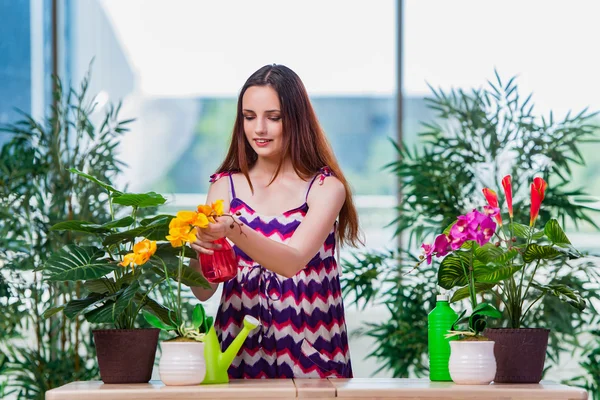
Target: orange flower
<point x="204" y="209"/>
<point x="538" y="191"/>
<point x="506" y="184"/>
<point x="492" y="199"/>
<point x="128" y="260"/>
<point x="142" y="251"/>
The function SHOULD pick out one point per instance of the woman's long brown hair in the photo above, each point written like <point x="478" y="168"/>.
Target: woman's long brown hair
<point x="303" y="141"/>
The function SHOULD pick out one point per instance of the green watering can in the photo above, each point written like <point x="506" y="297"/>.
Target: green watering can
<point x="217" y="362"/>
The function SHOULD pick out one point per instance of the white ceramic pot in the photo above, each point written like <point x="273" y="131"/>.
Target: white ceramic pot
<point x="182" y="363"/>
<point x="472" y="362"/>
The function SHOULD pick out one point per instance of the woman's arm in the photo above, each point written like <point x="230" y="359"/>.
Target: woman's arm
<point x="218" y="190"/>
<point x="325" y="202"/>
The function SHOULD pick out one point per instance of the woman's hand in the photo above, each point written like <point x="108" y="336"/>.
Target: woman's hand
<point x="205" y="236"/>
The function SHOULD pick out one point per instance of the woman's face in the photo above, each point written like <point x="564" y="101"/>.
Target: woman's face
<point x="262" y="121"/>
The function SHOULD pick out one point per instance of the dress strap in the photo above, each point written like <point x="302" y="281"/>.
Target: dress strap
<point x="219" y="175"/>
<point x="322" y="174"/>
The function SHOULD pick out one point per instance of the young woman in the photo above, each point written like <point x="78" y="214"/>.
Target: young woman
<point x="295" y="205"/>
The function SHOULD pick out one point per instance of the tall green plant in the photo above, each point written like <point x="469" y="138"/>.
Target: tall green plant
<point x="477" y="137"/>
<point x="590" y="381"/>
<point x="36" y="192"/>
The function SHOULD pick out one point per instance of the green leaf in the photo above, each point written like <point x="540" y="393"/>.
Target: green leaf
<point x="84" y="226"/>
<point x="77" y="263"/>
<point x="167" y="252"/>
<point x="198" y="316"/>
<point x="140" y="200"/>
<point x="78" y="306"/>
<point x="537" y="252"/>
<point x="451" y="272"/>
<point x="111" y="310"/>
<point x="78" y="226"/>
<point x="555" y="233"/>
<point x="157" y="323"/>
<point x="519" y="230"/>
<point x="487" y="253"/>
<point x="91" y="178"/>
<point x="163" y="313"/>
<point x="463" y="293"/>
<point x="157" y="219"/>
<point x="486" y="309"/>
<point x="497" y="274"/>
<point x="156" y="230"/>
<point x="51" y="311"/>
<point x="189" y="277"/>
<point x="102" y="285"/>
<point x="208" y="323"/>
<point x="504" y="258"/>
<point x="564" y="294"/>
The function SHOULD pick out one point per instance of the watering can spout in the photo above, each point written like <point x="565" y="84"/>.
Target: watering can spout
<point x="229" y="354"/>
<point x="217" y="362"/>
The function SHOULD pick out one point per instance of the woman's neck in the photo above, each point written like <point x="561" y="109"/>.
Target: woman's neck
<point x="268" y="167"/>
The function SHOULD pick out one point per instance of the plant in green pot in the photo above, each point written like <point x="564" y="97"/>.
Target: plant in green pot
<point x="118" y="276"/>
<point x="462" y="245"/>
<point x="511" y="271"/>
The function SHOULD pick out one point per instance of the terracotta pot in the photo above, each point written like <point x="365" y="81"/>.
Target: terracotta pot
<point x="472" y="362"/>
<point x="126" y="355"/>
<point x="520" y="354"/>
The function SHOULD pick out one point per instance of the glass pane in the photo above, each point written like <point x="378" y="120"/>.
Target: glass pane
<point x="178" y="68"/>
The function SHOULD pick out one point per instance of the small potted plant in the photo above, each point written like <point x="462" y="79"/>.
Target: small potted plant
<point x="510" y="270"/>
<point x="472" y="360"/>
<point x="115" y="263"/>
<point x="194" y="353"/>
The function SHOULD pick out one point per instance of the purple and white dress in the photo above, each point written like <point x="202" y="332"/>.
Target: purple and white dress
<point x="302" y="331"/>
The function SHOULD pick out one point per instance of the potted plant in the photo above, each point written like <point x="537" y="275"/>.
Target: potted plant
<point x="182" y="359"/>
<point x="194" y="353"/>
<point x="510" y="270"/>
<point x="118" y="277"/>
<point x="521" y="350"/>
<point x="472" y="360"/>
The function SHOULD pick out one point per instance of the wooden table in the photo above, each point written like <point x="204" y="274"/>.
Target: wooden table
<point x="357" y="388"/>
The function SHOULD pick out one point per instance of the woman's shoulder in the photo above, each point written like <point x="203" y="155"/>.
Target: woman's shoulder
<point x="326" y="183"/>
<point x="218" y="175"/>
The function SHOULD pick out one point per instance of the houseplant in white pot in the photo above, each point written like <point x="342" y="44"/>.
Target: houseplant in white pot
<point x="472" y="360"/>
<point x="183" y="360"/>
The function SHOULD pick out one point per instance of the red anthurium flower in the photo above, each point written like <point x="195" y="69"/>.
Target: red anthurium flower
<point x="506" y="184"/>
<point x="492" y="199"/>
<point x="538" y="190"/>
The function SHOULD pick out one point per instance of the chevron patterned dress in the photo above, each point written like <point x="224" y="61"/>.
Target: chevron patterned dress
<point x="302" y="331"/>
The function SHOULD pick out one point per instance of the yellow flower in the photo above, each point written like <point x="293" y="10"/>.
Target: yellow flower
<point x="201" y="221"/>
<point x="187" y="217"/>
<point x="128" y="260"/>
<point x="204" y="209"/>
<point x="180" y="235"/>
<point x="143" y="251"/>
<point x="217" y="207"/>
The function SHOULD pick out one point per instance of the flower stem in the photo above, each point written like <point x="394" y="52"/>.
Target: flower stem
<point x="179" y="272"/>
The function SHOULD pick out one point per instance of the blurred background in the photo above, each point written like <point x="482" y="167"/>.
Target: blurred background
<point x="177" y="67"/>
